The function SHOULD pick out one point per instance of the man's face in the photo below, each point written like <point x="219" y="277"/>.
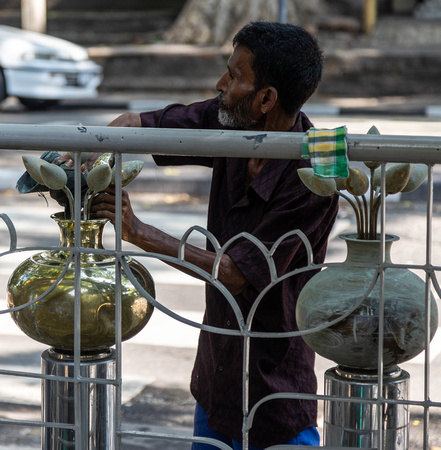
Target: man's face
<point x="238" y="107"/>
<point x="237" y="115"/>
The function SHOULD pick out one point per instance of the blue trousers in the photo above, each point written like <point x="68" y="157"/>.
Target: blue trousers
<point x="309" y="436"/>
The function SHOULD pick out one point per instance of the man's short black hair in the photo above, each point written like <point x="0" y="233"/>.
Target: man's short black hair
<point x="286" y="57"/>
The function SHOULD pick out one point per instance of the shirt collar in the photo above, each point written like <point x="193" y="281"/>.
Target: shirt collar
<point x="267" y="179"/>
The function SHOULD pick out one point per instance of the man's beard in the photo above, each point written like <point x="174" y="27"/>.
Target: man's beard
<point x="238" y="115"/>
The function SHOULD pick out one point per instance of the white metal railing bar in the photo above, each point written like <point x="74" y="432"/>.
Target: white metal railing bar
<point x="380" y="367"/>
<point x="80" y="435"/>
<point x="118" y="295"/>
<point x="429" y="215"/>
<point x="361" y="147"/>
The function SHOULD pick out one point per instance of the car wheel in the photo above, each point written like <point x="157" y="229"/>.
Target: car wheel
<point x="37" y="104"/>
<point x="2" y="86"/>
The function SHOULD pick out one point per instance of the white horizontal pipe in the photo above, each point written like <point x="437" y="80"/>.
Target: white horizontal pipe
<point x="260" y="144"/>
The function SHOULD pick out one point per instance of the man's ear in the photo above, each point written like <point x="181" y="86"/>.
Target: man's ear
<point x="269" y="96"/>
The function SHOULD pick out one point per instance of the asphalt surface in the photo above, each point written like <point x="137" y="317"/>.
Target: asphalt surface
<point x="157" y="363"/>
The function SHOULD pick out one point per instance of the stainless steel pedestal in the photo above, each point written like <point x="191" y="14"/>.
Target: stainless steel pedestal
<point x="97" y="402"/>
<point x="355" y="424"/>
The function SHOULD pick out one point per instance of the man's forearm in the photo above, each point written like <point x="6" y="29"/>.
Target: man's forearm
<point x="153" y="240"/>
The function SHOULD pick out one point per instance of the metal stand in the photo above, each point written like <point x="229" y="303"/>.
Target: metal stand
<point x="97" y="402"/>
<point x="355" y="424"/>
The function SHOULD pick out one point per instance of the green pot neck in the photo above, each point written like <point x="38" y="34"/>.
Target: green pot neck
<point x="367" y="251"/>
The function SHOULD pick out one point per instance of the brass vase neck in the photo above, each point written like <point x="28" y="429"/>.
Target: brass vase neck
<point x="91" y="232"/>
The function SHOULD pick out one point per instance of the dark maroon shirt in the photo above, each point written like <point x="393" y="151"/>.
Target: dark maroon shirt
<point x="274" y="203"/>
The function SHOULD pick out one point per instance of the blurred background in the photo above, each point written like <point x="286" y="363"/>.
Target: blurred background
<point x="373" y="48"/>
<point x="382" y="66"/>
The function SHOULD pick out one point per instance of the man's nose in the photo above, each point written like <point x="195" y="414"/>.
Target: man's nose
<point x="221" y="84"/>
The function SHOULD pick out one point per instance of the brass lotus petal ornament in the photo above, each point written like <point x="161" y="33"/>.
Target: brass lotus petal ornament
<point x="54" y="177"/>
<point x="105" y="158"/>
<point x="84" y="156"/>
<point x="320" y="186"/>
<point x="99" y="178"/>
<point x="357" y="183"/>
<point x="340" y="184"/>
<point x="129" y="171"/>
<point x="33" y="164"/>
<point x="371" y="164"/>
<point x="418" y="173"/>
<point x="397" y="178"/>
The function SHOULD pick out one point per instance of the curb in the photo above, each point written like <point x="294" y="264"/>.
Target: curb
<point x="432" y="111"/>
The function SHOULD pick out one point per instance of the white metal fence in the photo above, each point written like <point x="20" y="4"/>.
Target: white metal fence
<point x="380" y="148"/>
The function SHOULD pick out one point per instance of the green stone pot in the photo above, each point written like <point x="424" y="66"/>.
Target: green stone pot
<point x="353" y="341"/>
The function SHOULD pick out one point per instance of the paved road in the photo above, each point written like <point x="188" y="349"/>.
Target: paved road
<point x="157" y="363"/>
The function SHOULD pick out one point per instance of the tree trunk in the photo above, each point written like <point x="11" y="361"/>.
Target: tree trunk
<point x="214" y="22"/>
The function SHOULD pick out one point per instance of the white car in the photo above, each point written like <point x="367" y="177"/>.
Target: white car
<point x="41" y="70"/>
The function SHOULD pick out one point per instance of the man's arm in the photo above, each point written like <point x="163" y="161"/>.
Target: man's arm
<point x="151" y="239"/>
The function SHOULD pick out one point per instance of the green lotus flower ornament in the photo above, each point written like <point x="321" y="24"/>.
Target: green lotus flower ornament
<point x="399" y="178"/>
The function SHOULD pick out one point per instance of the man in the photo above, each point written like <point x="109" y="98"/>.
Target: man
<point x="273" y="70"/>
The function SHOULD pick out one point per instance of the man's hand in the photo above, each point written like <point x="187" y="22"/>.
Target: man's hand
<point x="103" y="206"/>
<point x="68" y="161"/>
<point x="150" y="239"/>
<point x="128" y="119"/>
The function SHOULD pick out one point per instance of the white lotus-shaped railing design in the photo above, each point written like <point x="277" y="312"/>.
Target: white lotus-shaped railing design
<point x="52" y="176"/>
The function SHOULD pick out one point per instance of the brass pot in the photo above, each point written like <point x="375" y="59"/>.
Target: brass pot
<point x="51" y="319"/>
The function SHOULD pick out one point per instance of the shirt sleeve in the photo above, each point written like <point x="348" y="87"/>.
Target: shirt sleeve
<point x="199" y="115"/>
<point x="292" y="206"/>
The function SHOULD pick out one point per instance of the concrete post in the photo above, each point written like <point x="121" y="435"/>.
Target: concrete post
<point x="33" y="15"/>
<point x="369" y="15"/>
<point x="283" y="11"/>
